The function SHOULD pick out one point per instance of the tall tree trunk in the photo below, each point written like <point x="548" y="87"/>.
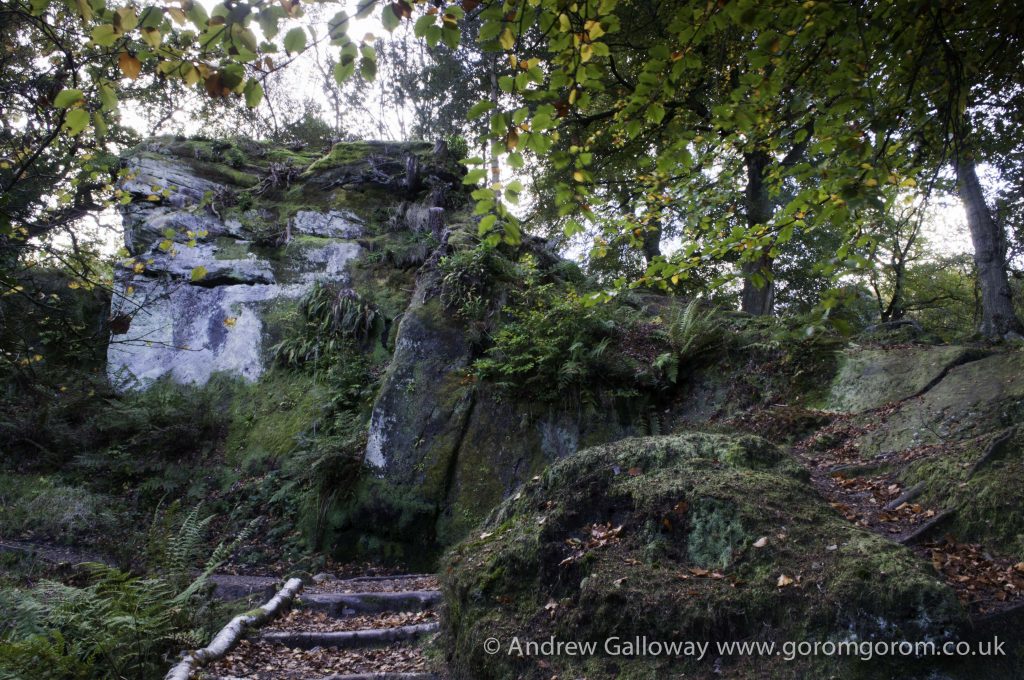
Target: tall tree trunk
<point x="998" y="318"/>
<point x="757" y="299"/>
<point x="652" y="243"/>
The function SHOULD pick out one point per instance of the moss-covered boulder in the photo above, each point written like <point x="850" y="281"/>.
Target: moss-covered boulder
<point x="691" y="537"/>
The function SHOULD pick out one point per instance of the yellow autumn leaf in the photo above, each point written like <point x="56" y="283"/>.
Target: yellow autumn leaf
<point x="231" y="321"/>
<point x="784" y="581"/>
<point x="506" y="39"/>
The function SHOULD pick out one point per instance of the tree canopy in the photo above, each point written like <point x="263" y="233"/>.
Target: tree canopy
<point x="742" y="133"/>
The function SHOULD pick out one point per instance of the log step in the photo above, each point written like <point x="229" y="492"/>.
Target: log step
<point x="382" y="676"/>
<point x="348" y="604"/>
<point x="356" y="676"/>
<point x="348" y="639"/>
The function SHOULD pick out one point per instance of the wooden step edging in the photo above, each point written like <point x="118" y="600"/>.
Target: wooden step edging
<point x="230" y="634"/>
<point x="383" y="675"/>
<point x="348" y="639"/>
<point x="347" y="604"/>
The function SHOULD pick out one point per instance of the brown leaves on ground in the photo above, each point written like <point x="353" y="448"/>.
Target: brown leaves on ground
<point x="304" y="621"/>
<point x="260" y="661"/>
<point x="862" y="500"/>
<point x="597" y="536"/>
<point x="982" y="581"/>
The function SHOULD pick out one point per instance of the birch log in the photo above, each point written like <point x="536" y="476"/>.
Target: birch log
<point x="230" y="634"/>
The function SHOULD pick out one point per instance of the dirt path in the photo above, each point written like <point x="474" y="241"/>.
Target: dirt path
<point x="352" y="629"/>
<point x="868" y="493"/>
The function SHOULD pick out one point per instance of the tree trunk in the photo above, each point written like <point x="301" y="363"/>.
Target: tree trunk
<point x="757" y="299"/>
<point x="998" y="318"/>
<point x="652" y="243"/>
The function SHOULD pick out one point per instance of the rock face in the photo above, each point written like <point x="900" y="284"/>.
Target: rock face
<point x="460" y="445"/>
<point x="225" y="239"/>
<point x="869" y="378"/>
<point x="215" y="253"/>
<point x="971" y="399"/>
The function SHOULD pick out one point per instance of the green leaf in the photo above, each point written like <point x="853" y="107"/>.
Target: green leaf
<point x="422" y="24"/>
<point x="126" y="19"/>
<point x="104" y="35"/>
<point x="151" y="17"/>
<point x="433" y="35"/>
<point x="474" y="176"/>
<point x="479" y="109"/>
<point x="197" y="14"/>
<point x="389" y="19"/>
<point x="68" y="98"/>
<point x="343" y="72"/>
<point x="337" y="27"/>
<point x="295" y="40"/>
<point x="100" y="124"/>
<point x="365" y="8"/>
<point x="368" y="68"/>
<point x="152" y="37"/>
<point x="108" y="99"/>
<point x="655" y="113"/>
<point x="253" y="93"/>
<point x="76" y="121"/>
<point x="489" y="31"/>
<point x="487" y="223"/>
<point x="451" y="37"/>
<point x="233" y="76"/>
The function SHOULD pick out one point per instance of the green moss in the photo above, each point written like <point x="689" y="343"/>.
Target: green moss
<point x="298" y="159"/>
<point x="231" y="249"/>
<point x="47" y="508"/>
<point x="342" y="153"/>
<point x="869" y="378"/>
<point x="267" y="416"/>
<point x="987" y="503"/>
<point x="716" y="534"/>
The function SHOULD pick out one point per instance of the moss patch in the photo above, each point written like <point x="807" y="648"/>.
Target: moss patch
<point x="267" y="416"/>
